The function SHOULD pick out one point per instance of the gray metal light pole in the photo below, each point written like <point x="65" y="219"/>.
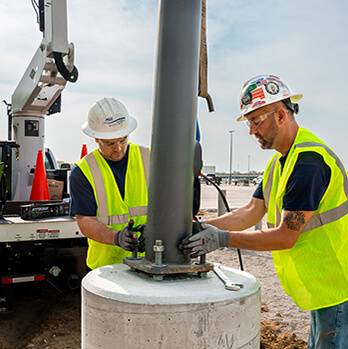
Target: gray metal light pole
<point x="249" y="163"/>
<point x="231" y="148"/>
<point x="173" y="131"/>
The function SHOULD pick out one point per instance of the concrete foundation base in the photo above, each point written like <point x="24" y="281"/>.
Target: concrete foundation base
<point x="124" y="309"/>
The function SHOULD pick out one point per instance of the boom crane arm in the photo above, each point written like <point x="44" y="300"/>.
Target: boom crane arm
<point x="52" y="65"/>
<point x="38" y="93"/>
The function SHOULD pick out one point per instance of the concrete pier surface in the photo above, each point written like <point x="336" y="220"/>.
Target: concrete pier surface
<point x="136" y="311"/>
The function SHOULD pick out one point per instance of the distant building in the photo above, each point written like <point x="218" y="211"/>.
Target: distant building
<point x="208" y="169"/>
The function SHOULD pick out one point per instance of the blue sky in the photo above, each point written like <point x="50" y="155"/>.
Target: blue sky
<point x="302" y="42"/>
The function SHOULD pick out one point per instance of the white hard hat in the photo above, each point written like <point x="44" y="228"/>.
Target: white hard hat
<point x="108" y="118"/>
<point x="262" y="90"/>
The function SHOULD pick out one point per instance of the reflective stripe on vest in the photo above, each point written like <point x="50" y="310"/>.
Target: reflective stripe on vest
<point x="103" y="216"/>
<point x="145" y="155"/>
<point x="268" y="186"/>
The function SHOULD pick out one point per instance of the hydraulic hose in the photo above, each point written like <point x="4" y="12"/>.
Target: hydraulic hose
<point x="228" y="210"/>
<point x="63" y="70"/>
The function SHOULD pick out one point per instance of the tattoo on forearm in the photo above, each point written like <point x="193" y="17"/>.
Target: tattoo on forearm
<point x="295" y="220"/>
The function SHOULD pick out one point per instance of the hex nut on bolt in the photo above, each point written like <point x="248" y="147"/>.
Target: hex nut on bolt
<point x="158" y="248"/>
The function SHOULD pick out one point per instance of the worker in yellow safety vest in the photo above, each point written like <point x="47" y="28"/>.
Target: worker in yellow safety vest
<point x="108" y="186"/>
<point x="304" y="193"/>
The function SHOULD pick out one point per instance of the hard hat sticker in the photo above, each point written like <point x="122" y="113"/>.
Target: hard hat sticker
<point x="247" y="98"/>
<point x="258" y="104"/>
<point x="258" y="93"/>
<point x="257" y="81"/>
<point x="251" y="87"/>
<point x="261" y="82"/>
<point x="282" y="85"/>
<point x="272" y="88"/>
<point x="275" y="78"/>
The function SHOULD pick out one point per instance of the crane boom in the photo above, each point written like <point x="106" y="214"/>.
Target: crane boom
<point x="38" y="91"/>
<point x="50" y="68"/>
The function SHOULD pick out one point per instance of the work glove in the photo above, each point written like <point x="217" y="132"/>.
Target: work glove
<point x="208" y="239"/>
<point x="141" y="238"/>
<point x="125" y="238"/>
<point x="196" y="227"/>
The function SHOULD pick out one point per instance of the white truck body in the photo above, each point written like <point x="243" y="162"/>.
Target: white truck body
<point x="49" y="247"/>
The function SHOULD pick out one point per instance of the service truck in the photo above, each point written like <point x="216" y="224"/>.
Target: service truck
<point x="39" y="241"/>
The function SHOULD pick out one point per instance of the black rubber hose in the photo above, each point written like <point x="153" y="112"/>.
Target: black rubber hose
<point x="67" y="75"/>
<point x="228" y="210"/>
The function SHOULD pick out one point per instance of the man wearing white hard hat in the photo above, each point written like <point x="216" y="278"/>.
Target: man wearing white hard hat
<point x="304" y="193"/>
<point x="109" y="186"/>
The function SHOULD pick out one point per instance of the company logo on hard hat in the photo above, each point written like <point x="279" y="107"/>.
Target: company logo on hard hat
<point x="115" y="122"/>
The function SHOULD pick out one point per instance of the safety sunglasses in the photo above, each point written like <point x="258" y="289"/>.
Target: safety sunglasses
<point x="258" y="120"/>
<point x="121" y="143"/>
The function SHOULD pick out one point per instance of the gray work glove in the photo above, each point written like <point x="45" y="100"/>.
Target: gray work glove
<point x="207" y="240"/>
<point x="141" y="238"/>
<point x="125" y="238"/>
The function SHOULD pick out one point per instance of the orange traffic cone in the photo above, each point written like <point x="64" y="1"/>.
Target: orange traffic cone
<point x="84" y="151"/>
<point x="39" y="190"/>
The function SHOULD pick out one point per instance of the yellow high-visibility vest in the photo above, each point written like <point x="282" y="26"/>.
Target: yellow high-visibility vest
<point x="314" y="272"/>
<point x="112" y="210"/>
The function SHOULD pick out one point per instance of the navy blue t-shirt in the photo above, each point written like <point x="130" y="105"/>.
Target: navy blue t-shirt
<point x="306" y="185"/>
<point x="81" y="192"/>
